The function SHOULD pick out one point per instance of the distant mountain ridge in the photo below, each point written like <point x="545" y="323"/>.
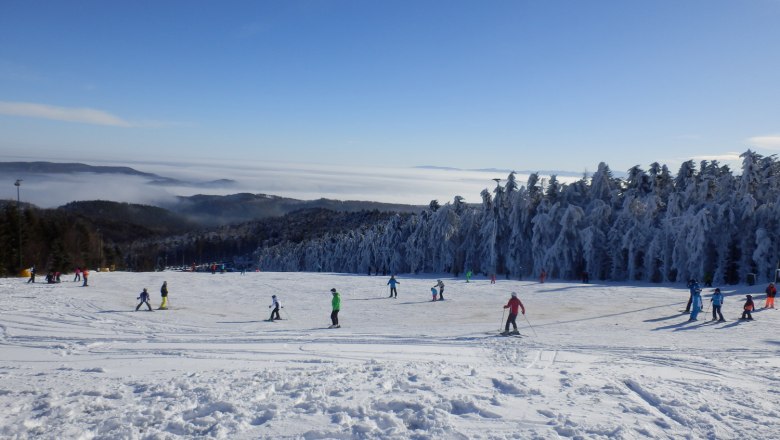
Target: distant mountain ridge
<point x="43" y="167"/>
<point x="212" y="210"/>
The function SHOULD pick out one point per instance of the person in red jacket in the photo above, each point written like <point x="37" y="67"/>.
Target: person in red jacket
<point x="771" y="291"/>
<point x="513" y="305"/>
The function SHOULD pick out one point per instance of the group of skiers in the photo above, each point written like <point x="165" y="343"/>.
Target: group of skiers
<point x="144" y="298"/>
<point x="515" y="306"/>
<point x="53" y="277"/>
<point x="695" y="305"/>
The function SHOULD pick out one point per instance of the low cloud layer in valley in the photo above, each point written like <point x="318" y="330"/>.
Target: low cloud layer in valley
<point x="295" y="180"/>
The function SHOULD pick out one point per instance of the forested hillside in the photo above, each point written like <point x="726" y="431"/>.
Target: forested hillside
<point x="51" y="239"/>
<point x="704" y="222"/>
<point x="237" y="243"/>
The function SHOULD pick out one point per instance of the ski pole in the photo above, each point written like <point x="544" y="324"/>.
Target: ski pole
<point x="500" y="323"/>
<point x="529" y="324"/>
<point x="287" y="315"/>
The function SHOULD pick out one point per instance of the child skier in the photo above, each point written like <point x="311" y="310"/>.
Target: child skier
<point x="336" y="306"/>
<point x="747" y="309"/>
<point x="440" y="285"/>
<point x="276" y="305"/>
<point x="392" y="283"/>
<point x="144" y="297"/>
<point x="433" y="293"/>
<point x="771" y="291"/>
<point x="513" y="304"/>
<point x="717" y="302"/>
<point x="164" y="294"/>
<point x="696" y="305"/>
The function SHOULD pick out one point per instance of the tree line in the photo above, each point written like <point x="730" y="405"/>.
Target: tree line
<point x="705" y="222"/>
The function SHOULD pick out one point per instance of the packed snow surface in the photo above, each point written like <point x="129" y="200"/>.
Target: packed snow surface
<point x="601" y="361"/>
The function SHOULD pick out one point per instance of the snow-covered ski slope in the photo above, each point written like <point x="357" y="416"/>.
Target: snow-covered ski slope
<point x="603" y="361"/>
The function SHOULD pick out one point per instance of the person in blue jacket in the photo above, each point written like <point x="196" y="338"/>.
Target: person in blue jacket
<point x="144" y="297"/>
<point x="693" y="287"/>
<point x="695" y="304"/>
<point x="717" y="303"/>
<point x="392" y="283"/>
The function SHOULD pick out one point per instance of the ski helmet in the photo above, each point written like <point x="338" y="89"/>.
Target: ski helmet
<point x="273" y="296"/>
<point x="333" y="290"/>
<point x="514" y="294"/>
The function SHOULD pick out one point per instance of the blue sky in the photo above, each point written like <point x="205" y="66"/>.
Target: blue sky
<point x="523" y="85"/>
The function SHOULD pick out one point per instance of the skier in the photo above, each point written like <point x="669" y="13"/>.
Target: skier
<point x="393" y="290"/>
<point x="543" y="276"/>
<point x="717" y="302"/>
<point x="164" y="294"/>
<point x="440" y="285"/>
<point x="747" y="308"/>
<point x="85" y="275"/>
<point x="78" y="275"/>
<point x="433" y="293"/>
<point x="771" y="291"/>
<point x="693" y="287"/>
<point x="276" y="305"/>
<point x="492" y="278"/>
<point x="468" y="276"/>
<point x="144" y="297"/>
<point x="513" y="304"/>
<point x="696" y="305"/>
<point x="336" y="306"/>
<point x="32" y="275"/>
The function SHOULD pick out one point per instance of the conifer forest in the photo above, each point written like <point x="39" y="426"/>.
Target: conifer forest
<point x="705" y="222"/>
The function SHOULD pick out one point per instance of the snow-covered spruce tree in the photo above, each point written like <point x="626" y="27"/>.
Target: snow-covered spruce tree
<point x="486" y="257"/>
<point x="594" y="240"/>
<point x="565" y="257"/>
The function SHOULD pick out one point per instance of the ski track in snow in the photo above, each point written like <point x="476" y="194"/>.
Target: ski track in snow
<point x="81" y="363"/>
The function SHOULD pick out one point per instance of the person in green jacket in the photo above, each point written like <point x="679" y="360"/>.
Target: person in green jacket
<point x="336" y="303"/>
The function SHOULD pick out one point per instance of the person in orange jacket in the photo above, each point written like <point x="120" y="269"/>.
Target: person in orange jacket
<point x="771" y="291"/>
<point x="85" y="275"/>
<point x="748" y="308"/>
<point x="513" y="305"/>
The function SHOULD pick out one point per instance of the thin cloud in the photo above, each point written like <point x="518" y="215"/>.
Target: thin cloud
<point x="67" y="114"/>
<point x="771" y="142"/>
<point x="725" y="157"/>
